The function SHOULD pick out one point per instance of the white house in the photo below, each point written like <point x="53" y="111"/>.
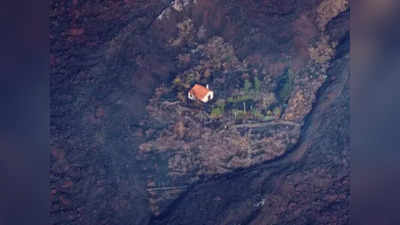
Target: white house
<point x="199" y="92"/>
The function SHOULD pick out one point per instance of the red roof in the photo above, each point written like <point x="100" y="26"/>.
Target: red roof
<point x="199" y="91"/>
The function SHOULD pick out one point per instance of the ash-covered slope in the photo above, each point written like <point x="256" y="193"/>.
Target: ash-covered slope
<point x="309" y="185"/>
<point x="128" y="147"/>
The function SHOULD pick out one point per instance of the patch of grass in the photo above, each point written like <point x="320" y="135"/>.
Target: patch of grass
<point x="268" y="118"/>
<point x="217" y="112"/>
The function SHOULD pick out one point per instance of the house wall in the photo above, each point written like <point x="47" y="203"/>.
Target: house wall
<point x="209" y="94"/>
<point x="190" y="96"/>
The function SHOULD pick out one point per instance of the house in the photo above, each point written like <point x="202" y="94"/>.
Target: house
<point x="199" y="92"/>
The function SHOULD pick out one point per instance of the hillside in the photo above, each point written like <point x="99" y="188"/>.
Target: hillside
<point x="129" y="147"/>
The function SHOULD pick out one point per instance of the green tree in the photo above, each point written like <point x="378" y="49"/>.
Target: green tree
<point x="247" y="85"/>
<point x="286" y="86"/>
<point x="257" y="84"/>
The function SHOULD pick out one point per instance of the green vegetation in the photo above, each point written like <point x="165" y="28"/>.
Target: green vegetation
<point x="219" y="109"/>
<point x="285" y="86"/>
<point x="250" y="104"/>
<point x="239" y="98"/>
<point x="184" y="81"/>
<point x="190" y="78"/>
<point x="181" y="96"/>
<point x="221" y="103"/>
<point x="227" y="58"/>
<point x="247" y="86"/>
<point x="217" y="112"/>
<point x="239" y="114"/>
<point x="249" y="97"/>
<point x="257" y="114"/>
<point x="177" y="81"/>
<point x="257" y="84"/>
<point x="277" y="111"/>
<point x="252" y="88"/>
<point x="247" y="103"/>
<point x="268" y="118"/>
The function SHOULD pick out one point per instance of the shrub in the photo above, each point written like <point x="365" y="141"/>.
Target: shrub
<point x="189" y="78"/>
<point x="216" y="112"/>
<point x="247" y="86"/>
<point x="177" y="81"/>
<point x="277" y="111"/>
<point x="219" y="109"/>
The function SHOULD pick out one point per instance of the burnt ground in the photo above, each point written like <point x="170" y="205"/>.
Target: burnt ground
<point x="108" y="58"/>
<point x="309" y="185"/>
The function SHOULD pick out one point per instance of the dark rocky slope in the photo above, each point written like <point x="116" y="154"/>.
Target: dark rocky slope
<point x="128" y="148"/>
<point x="309" y="185"/>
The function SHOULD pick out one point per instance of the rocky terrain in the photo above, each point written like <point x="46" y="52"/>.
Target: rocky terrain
<point x="128" y="147"/>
